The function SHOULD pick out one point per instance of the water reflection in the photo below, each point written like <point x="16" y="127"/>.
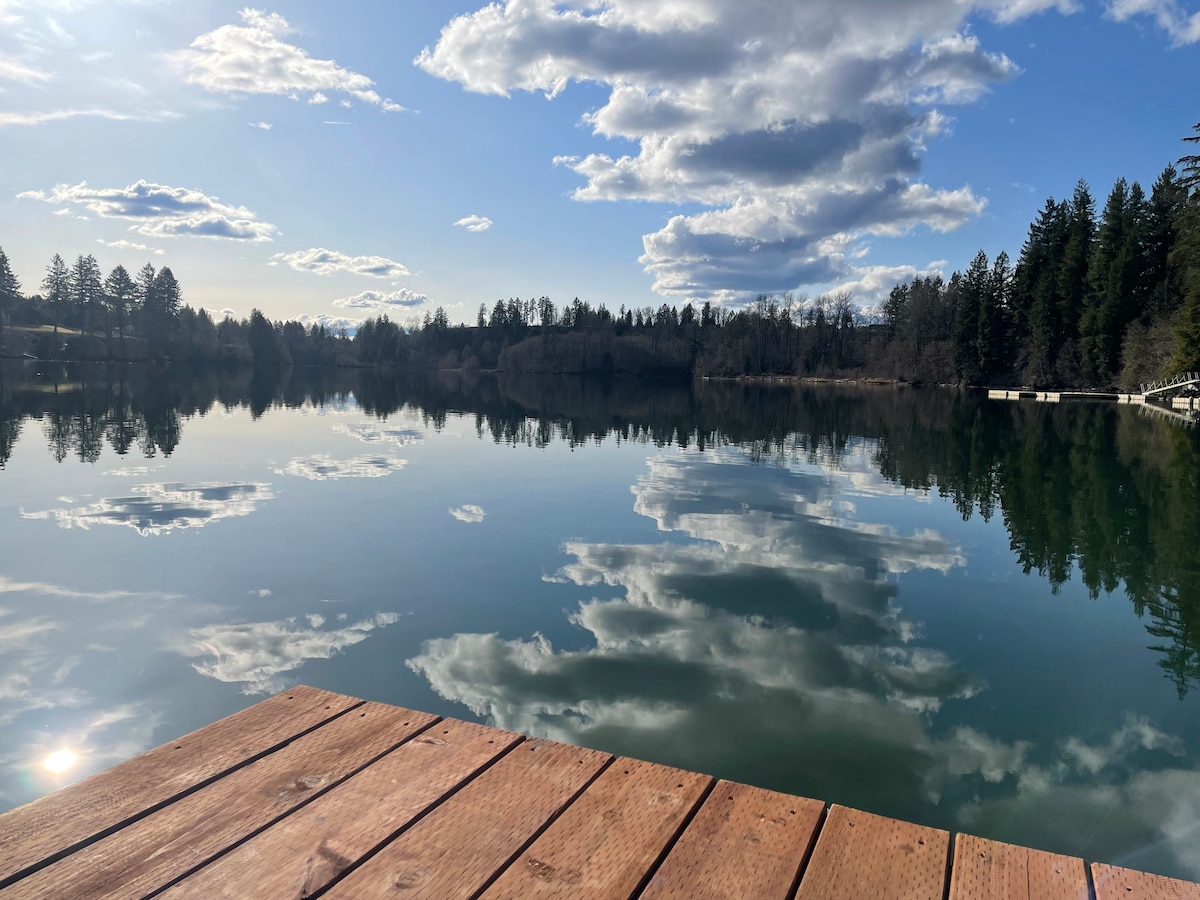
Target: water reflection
<point x="256" y="654"/>
<point x="324" y="467"/>
<point x="763" y="640"/>
<point x="157" y="509"/>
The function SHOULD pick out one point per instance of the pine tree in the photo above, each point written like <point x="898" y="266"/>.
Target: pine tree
<point x="120" y="293"/>
<point x="970" y="300"/>
<point x="87" y="291"/>
<point x="56" y="287"/>
<point x="1190" y="164"/>
<point x="10" y="290"/>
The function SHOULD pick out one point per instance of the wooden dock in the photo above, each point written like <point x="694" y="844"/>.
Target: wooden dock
<point x="314" y="794"/>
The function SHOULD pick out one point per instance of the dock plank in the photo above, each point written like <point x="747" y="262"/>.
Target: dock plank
<point x="461" y="846"/>
<point x="156" y="850"/>
<point x="744" y="842"/>
<point x="303" y="853"/>
<point x="1113" y="882"/>
<point x="606" y="843"/>
<point x="860" y="856"/>
<point x="990" y="870"/>
<point x="48" y="828"/>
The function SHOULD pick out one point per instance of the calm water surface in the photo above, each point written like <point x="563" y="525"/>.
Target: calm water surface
<point x="975" y="615"/>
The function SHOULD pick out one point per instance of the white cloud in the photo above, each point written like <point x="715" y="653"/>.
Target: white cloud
<point x="123" y="244"/>
<point x="333" y="323"/>
<point x="1181" y="27"/>
<point x="471" y="514"/>
<point x="251" y="58"/>
<point x="15" y="70"/>
<point x="318" y="98"/>
<point x="8" y="118"/>
<point x="256" y="654"/>
<point x="157" y="509"/>
<point x="474" y="223"/>
<point x="799" y="126"/>
<point x="869" y="286"/>
<point x="161" y="211"/>
<point x="380" y="301"/>
<point x="320" y="261"/>
<point x="324" y="467"/>
<point x="263" y="126"/>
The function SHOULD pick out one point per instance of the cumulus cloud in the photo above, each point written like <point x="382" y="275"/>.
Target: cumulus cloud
<point x="333" y="323"/>
<point x="381" y="300"/>
<point x="474" y="223"/>
<point x="470" y="514"/>
<point x="800" y="127"/>
<point x="324" y="467"/>
<point x="161" y="211"/>
<point x="252" y="58"/>
<point x="320" y="261"/>
<point x="257" y="654"/>
<point x="869" y="286"/>
<point x="157" y="509"/>
<point x="1181" y="27"/>
<point x="262" y="126"/>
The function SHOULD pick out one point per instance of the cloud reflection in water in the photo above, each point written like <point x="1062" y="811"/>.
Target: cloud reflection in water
<point x="156" y="509"/>
<point x="768" y="646"/>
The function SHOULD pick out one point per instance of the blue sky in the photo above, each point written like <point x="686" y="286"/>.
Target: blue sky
<point x="320" y="160"/>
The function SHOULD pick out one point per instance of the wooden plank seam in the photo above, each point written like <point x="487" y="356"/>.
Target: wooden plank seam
<point x="948" y="880"/>
<point x="687" y="820"/>
<point x="63" y="853"/>
<point x="316" y="795"/>
<point x="415" y="820"/>
<point x="500" y="870"/>
<point x="807" y="857"/>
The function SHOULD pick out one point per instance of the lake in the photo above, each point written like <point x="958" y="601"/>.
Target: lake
<point x="972" y="614"/>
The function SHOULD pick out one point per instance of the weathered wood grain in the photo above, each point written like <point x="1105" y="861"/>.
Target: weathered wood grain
<point x="606" y="843"/>
<point x="1113" y="882"/>
<point x="461" y="845"/>
<point x="150" y="853"/>
<point x="989" y="870"/>
<point x="860" y="856"/>
<point x="71" y="817"/>
<point x="306" y="851"/>
<point x="744" y="842"/>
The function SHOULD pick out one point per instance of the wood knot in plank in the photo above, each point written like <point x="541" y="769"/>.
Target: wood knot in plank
<point x="410" y="878"/>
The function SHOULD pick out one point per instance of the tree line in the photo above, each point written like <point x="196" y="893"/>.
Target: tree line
<point x="83" y="314"/>
<point x="1094" y="300"/>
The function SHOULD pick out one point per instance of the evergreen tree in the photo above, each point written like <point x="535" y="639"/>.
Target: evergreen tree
<point x="993" y="319"/>
<point x="10" y="290"/>
<point x="87" y="292"/>
<point x="120" y="293"/>
<point x="1160" y="232"/>
<point x="56" y="287"/>
<point x="1117" y="294"/>
<point x="970" y="300"/>
<point x="160" y="308"/>
<point x="1190" y="164"/>
<point x="1037" y="303"/>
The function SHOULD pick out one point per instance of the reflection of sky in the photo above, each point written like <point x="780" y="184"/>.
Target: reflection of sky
<point x="155" y="509"/>
<point x="470" y="513"/>
<point x="256" y="654"/>
<point x="374" y="433"/>
<point x="324" y="467"/>
<point x="764" y="641"/>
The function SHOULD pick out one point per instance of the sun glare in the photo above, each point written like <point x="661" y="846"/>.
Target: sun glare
<point x="59" y="761"/>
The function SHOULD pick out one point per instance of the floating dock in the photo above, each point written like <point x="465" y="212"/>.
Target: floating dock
<point x="314" y="794"/>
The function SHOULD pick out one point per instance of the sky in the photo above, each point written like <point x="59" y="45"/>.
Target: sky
<point x="330" y="162"/>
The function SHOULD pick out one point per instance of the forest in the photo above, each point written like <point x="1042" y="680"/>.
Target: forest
<point x="1095" y="300"/>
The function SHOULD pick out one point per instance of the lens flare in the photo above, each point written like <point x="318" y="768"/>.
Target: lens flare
<point x="59" y="761"/>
